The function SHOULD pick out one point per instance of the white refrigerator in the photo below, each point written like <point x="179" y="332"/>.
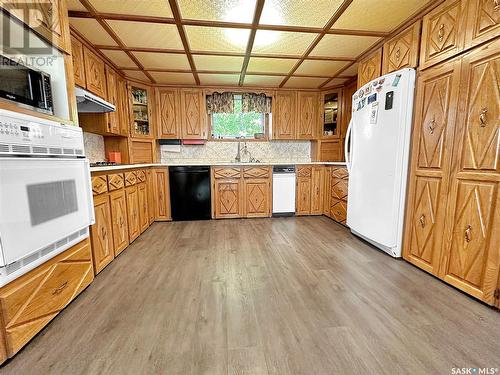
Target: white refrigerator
<point x="377" y="155"/>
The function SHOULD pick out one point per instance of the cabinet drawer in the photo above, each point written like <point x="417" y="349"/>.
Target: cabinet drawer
<point x="33" y="300"/>
<point x="99" y="185"/>
<point x="227" y="172"/>
<point x="130" y="178"/>
<point x="256" y="172"/>
<point x="338" y="210"/>
<point x="141" y="176"/>
<point x="115" y="181"/>
<point x="340" y="172"/>
<point x="304" y="171"/>
<point x="339" y="189"/>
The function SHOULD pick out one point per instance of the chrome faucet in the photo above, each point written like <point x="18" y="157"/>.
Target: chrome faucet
<point x="238" y="154"/>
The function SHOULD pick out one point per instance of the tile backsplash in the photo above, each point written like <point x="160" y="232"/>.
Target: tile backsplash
<point x="94" y="147"/>
<point x="220" y="151"/>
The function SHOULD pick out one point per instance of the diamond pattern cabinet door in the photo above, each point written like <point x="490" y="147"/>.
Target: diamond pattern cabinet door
<point x="193" y="121"/>
<point x="443" y="32"/>
<point x="101" y="234"/>
<point x="402" y="51"/>
<point x="317" y="191"/>
<point x="284" y="109"/>
<point x="471" y="259"/>
<point x="228" y="199"/>
<point x="483" y="20"/>
<point x="132" y="212"/>
<point x="370" y="68"/>
<point x="142" y="191"/>
<point x="162" y="191"/>
<point x="168" y="117"/>
<point x="257" y="194"/>
<point x="113" y="118"/>
<point x="119" y="220"/>
<point x="94" y="73"/>
<point x="303" y="196"/>
<point x="78" y="63"/>
<point x="123" y="107"/>
<point x="307" y="127"/>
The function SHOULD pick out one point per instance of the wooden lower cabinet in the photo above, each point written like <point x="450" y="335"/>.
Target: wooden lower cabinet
<point x="227" y="199"/>
<point x="303" y="196"/>
<point x="150" y="181"/>
<point x="30" y="302"/>
<point x="142" y="192"/>
<point x="101" y="233"/>
<point x="336" y="196"/>
<point x="309" y="190"/>
<point x="257" y="194"/>
<point x="162" y="210"/>
<point x="134" y="225"/>
<point x="119" y="220"/>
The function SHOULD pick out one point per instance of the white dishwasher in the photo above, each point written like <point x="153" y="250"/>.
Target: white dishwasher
<point x="283" y="190"/>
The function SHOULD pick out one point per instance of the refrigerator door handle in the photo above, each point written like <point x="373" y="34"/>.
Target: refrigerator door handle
<point x="347" y="152"/>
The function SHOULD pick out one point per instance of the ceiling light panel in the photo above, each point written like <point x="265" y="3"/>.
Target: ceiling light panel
<point x="343" y="45"/>
<point x="320" y="67"/>
<point x="227" y="63"/>
<point x="282" y="42"/>
<point x="262" y="81"/>
<point x="119" y="58"/>
<point x="167" y="78"/>
<point x="155" y="8"/>
<point x="385" y="15"/>
<point x="92" y="31"/>
<point x="304" y="82"/>
<point x="298" y="12"/>
<point x="241" y="11"/>
<point x="217" y="39"/>
<point x="219" y="79"/>
<point x="265" y="65"/>
<point x="147" y="35"/>
<point x="153" y="60"/>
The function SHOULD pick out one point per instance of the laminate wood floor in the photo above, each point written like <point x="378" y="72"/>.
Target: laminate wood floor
<point x="262" y="296"/>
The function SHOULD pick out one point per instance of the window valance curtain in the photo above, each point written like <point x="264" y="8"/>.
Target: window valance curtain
<point x="220" y="102"/>
<point x="250" y="102"/>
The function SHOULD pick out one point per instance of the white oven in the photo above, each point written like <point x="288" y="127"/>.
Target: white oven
<point x="45" y="194"/>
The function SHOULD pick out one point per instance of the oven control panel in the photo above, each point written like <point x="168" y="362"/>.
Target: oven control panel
<point x="23" y="134"/>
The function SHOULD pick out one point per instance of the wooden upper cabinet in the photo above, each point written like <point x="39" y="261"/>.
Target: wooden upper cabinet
<point x="443" y="32"/>
<point x="123" y="106"/>
<point x="370" y="68"/>
<point x="284" y="115"/>
<point x="78" y="62"/>
<point x="483" y="19"/>
<point x="168" y="113"/>
<point x="402" y="50"/>
<point x="192" y="114"/>
<point x="95" y="73"/>
<point x="307" y="114"/>
<point x="113" y="98"/>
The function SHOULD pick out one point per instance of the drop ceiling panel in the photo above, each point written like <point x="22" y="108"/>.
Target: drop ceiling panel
<point x="336" y="82"/>
<point x="173" y="78"/>
<point x="282" y="42"/>
<point x="320" y="67"/>
<point x="157" y="8"/>
<point x="92" y="31"/>
<point x="154" y="60"/>
<point x="75" y="5"/>
<point x="263" y="81"/>
<point x="264" y="65"/>
<point x="217" y="39"/>
<point x="218" y="10"/>
<point x="136" y="74"/>
<point x="147" y="35"/>
<point x="384" y="16"/>
<point x="219" y="79"/>
<point x="351" y="71"/>
<point x="343" y="45"/>
<point x="228" y="63"/>
<point x="119" y="58"/>
<point x="304" y="82"/>
<point x="298" y="12"/>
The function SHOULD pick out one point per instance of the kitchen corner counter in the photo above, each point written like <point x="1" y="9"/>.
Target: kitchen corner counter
<point x="208" y="163"/>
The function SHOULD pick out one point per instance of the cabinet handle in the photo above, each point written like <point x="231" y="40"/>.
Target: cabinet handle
<point x="441" y="32"/>
<point x="103" y="233"/>
<point x="60" y="288"/>
<point x="398" y="53"/>
<point x="432" y="125"/>
<point x="482" y="117"/>
<point x="468" y="230"/>
<point x="422" y="220"/>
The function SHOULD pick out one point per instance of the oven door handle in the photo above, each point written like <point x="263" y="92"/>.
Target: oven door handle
<point x="89" y="193"/>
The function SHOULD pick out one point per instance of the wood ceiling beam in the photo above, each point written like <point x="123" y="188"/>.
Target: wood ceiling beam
<point x="256" y="19"/>
<point x="343" y="7"/>
<point x="115" y="37"/>
<point x="182" y="33"/>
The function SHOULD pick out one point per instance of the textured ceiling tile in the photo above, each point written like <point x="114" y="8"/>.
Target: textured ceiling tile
<point x="343" y="45"/>
<point x="75" y="5"/>
<point x="154" y="60"/>
<point x="147" y="35"/>
<point x="320" y="68"/>
<point x="264" y="65"/>
<point x="136" y="74"/>
<point x="385" y="16"/>
<point x="93" y="31"/>
<point x="217" y="39"/>
<point x="167" y="78"/>
<point x="157" y="8"/>
<point x="336" y="82"/>
<point x="218" y="10"/>
<point x="229" y="63"/>
<point x="282" y="42"/>
<point x="351" y="71"/>
<point x="119" y="58"/>
<point x="219" y="79"/>
<point x="298" y="12"/>
<point x="263" y="81"/>
<point x="304" y="82"/>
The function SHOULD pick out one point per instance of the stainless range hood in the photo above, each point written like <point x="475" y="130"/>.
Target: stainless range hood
<point x="87" y="102"/>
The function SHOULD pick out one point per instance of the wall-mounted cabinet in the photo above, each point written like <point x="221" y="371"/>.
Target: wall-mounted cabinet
<point x="168" y="116"/>
<point x="331" y="120"/>
<point x="307" y="115"/>
<point x="193" y="114"/>
<point x="141" y="111"/>
<point x="284" y="115"/>
<point x="370" y="68"/>
<point x="402" y="50"/>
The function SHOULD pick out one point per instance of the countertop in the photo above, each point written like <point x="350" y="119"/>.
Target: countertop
<point x="209" y="163"/>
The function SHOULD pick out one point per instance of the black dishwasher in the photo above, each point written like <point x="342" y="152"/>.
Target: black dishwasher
<point x="190" y="193"/>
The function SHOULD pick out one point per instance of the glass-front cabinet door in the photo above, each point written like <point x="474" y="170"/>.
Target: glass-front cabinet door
<point x="331" y="114"/>
<point x="141" y="113"/>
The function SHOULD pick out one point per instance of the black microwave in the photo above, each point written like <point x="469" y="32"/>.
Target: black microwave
<point x="25" y="86"/>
